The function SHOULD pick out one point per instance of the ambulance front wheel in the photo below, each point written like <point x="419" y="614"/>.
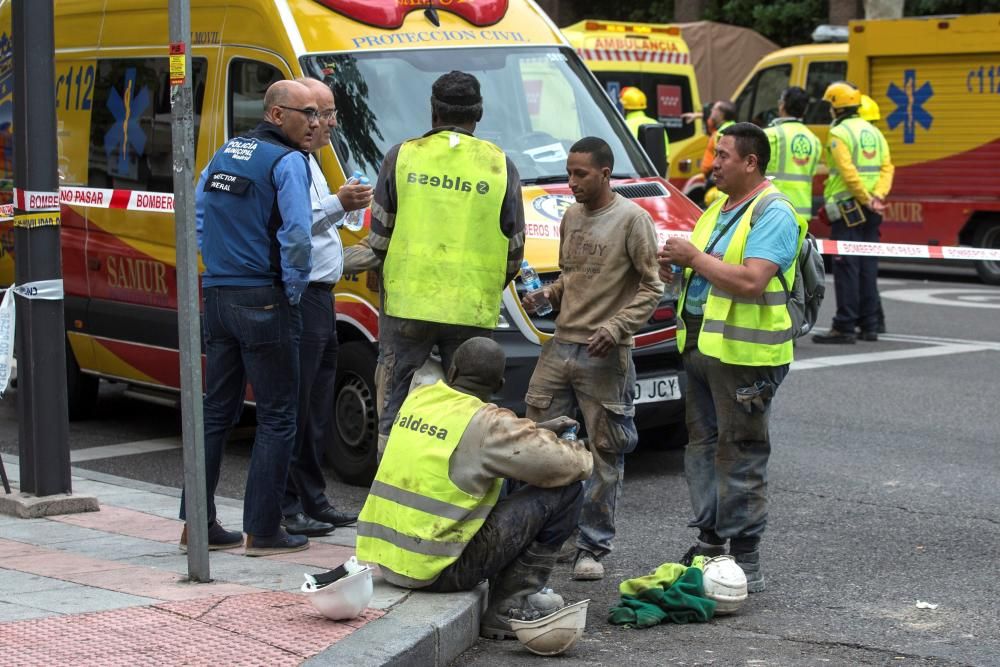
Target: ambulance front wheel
<point x="353" y="445"/>
<point x="988" y="236"/>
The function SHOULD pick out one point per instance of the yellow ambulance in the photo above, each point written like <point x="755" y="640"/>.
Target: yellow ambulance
<point x="380" y="57"/>
<point x="654" y="58"/>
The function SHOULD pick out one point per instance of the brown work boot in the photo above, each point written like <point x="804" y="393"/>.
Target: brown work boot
<point x="587" y="567"/>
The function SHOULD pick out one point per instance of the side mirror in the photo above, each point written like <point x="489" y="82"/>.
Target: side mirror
<point x="653" y="138"/>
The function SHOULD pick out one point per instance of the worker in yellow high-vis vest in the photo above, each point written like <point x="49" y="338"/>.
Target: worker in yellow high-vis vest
<point x="448" y="226"/>
<point x="633" y="101"/>
<point x="736" y="334"/>
<point x="434" y="520"/>
<point x="860" y="178"/>
<point x="795" y="151"/>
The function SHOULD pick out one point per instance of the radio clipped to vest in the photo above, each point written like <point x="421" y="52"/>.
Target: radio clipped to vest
<point x="848" y="210"/>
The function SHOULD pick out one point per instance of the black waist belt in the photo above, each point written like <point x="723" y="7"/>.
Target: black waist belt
<point x="323" y="286"/>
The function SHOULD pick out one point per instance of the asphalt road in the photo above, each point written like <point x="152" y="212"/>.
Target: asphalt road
<point x="883" y="492"/>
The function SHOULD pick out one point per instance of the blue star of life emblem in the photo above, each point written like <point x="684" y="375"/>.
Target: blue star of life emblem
<point x="127" y="107"/>
<point x="909" y="102"/>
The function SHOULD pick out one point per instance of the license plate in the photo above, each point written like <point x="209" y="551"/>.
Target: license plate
<point x="653" y="390"/>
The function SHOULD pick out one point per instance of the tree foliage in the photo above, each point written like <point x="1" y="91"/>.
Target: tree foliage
<point x="785" y="22"/>
<point x="933" y="7"/>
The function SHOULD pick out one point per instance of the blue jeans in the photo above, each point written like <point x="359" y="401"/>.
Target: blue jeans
<point x="726" y="456"/>
<point x="565" y="378"/>
<point x="855" y="279"/>
<point x="306" y="489"/>
<point x="251" y="333"/>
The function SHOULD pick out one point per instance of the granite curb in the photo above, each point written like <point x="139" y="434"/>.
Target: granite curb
<point x="419" y="629"/>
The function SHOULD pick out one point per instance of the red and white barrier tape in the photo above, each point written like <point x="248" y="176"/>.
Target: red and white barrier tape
<point x="163" y="202"/>
<point x="888" y="250"/>
<point x="130" y="200"/>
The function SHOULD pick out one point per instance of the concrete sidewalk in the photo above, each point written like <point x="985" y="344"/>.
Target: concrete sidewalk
<point x="110" y="585"/>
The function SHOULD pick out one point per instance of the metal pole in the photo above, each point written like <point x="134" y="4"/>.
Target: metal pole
<point x="188" y="317"/>
<point x="42" y="408"/>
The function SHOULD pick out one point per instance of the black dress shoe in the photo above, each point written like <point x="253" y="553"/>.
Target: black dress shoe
<point x="336" y="517"/>
<point x="300" y="524"/>
<point x="869" y="336"/>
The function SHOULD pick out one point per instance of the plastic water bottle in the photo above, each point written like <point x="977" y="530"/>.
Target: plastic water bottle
<point x="355" y="220"/>
<point x="570" y="433"/>
<point x="533" y="283"/>
<point x="676" y="284"/>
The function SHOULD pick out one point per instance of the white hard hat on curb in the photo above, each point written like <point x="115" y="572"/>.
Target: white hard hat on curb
<point x="342" y="593"/>
<point x="725" y="582"/>
<point x="555" y="633"/>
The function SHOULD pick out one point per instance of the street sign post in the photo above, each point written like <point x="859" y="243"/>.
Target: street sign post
<point x="188" y="313"/>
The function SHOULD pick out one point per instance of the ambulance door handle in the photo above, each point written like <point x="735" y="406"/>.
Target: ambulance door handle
<point x="94" y="263"/>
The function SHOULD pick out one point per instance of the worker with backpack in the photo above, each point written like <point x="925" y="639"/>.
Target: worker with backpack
<point x="736" y="330"/>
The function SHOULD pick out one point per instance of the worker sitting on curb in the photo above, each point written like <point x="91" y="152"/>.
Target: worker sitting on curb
<point x="434" y="519"/>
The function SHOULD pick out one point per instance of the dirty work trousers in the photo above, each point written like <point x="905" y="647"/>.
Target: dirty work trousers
<point x="404" y="346"/>
<point x="855" y="279"/>
<point x="726" y="456"/>
<point x="565" y="378"/>
<point x="528" y="515"/>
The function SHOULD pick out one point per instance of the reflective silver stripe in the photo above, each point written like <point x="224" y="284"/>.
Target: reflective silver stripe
<point x="802" y="178"/>
<point x="388" y="220"/>
<point x="804" y="211"/>
<point x="766" y="299"/>
<point x="869" y="169"/>
<point x="428" y="505"/>
<point x="377" y="241"/>
<point x="414" y="544"/>
<point x="745" y="335"/>
<point x="397" y="579"/>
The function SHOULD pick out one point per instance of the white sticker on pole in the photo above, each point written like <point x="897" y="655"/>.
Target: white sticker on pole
<point x="33" y="200"/>
<point x="41" y="289"/>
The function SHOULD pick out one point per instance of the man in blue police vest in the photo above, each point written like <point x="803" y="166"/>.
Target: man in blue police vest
<point x="253" y="219"/>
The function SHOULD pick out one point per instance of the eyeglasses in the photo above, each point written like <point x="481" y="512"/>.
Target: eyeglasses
<point x="311" y="114"/>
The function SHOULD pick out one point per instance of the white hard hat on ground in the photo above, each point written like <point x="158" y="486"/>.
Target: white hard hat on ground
<point x="725" y="582"/>
<point x="345" y="597"/>
<point x="555" y="633"/>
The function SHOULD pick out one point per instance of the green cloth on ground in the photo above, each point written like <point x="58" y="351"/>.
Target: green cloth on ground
<point x="662" y="577"/>
<point x="683" y="602"/>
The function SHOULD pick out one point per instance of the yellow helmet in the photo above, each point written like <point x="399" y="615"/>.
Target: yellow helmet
<point x="869" y="109"/>
<point x="632" y="98"/>
<point x="841" y="95"/>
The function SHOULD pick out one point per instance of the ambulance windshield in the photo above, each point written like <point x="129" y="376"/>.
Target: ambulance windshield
<point x="537" y="102"/>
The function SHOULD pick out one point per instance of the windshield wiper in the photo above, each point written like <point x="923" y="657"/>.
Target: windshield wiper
<point x="562" y="178"/>
<point x="539" y="180"/>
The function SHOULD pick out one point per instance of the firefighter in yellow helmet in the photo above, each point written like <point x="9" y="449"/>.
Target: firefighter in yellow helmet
<point x="633" y="101"/>
<point x="860" y="179"/>
<point x="869" y="111"/>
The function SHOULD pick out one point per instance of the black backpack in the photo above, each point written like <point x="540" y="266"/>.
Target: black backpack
<point x="806" y="294"/>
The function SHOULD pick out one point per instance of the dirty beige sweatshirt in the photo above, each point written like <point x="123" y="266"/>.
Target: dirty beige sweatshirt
<point x="610" y="277"/>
